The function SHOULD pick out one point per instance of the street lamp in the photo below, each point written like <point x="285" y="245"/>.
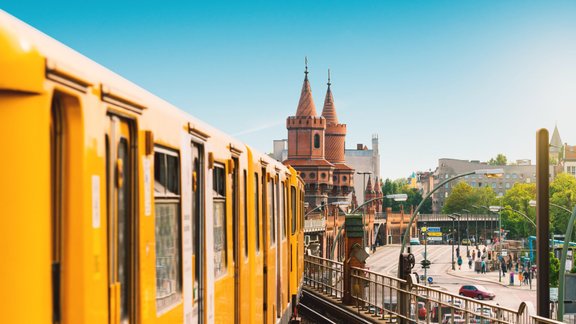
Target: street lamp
<point x="562" y="270"/>
<point x="364" y="184"/>
<point x="453" y="218"/>
<point x="458" y="231"/>
<point x="490" y="173"/>
<point x="497" y="209"/>
<point x="396" y="197"/>
<point x="335" y="203"/>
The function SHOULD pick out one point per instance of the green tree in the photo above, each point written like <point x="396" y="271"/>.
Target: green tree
<point x="554" y="269"/>
<point x="499" y="160"/>
<point x="460" y="198"/>
<point x="518" y="198"/>
<point x="563" y="193"/>
<point x="414" y="197"/>
<point x="464" y="196"/>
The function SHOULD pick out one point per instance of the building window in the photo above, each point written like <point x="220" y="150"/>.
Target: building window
<point x="312" y="175"/>
<point x="303" y="175"/>
<point x="316" y="141"/>
<point x="494" y="185"/>
<point x="507" y="185"/>
<point x="344" y="178"/>
<point x="323" y="175"/>
<point x="335" y="178"/>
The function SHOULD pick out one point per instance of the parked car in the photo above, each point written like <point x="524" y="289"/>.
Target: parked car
<point x="476" y="291"/>
<point x="466" y="241"/>
<point x="457" y="319"/>
<point x="414" y="241"/>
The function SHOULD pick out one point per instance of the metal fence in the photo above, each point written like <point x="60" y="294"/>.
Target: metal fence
<point x="324" y="275"/>
<point x="393" y="300"/>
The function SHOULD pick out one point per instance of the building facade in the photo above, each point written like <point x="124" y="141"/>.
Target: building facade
<point x="448" y="168"/>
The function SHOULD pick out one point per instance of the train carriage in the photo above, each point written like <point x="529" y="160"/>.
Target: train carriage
<point x="119" y="208"/>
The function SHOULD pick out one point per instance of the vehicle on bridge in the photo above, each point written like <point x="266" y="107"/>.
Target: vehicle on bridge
<point x="476" y="291"/>
<point x="117" y="207"/>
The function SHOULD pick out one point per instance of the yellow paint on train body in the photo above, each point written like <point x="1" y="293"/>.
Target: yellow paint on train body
<point x="96" y="228"/>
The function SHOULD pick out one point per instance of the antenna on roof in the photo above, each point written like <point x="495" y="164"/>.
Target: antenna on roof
<point x="329" y="78"/>
<point x="306" y="66"/>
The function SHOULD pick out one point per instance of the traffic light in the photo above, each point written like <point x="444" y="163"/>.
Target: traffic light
<point x="407" y="262"/>
<point x="425" y="264"/>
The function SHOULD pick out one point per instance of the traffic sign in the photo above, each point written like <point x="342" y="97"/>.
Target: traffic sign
<point x="434" y="234"/>
<point x="423" y="229"/>
<point x="433" y="229"/>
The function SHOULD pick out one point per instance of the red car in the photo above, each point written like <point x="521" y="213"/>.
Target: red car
<point x="476" y="291"/>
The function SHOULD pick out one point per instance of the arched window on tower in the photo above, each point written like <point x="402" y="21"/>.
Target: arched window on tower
<point x="316" y="141"/>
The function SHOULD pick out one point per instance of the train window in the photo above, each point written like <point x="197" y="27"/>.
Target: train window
<point x="219" y="203"/>
<point x="271" y="211"/>
<point x="167" y="229"/>
<point x="293" y="208"/>
<point x="245" y="214"/>
<point x="257" y="210"/>
<point x="283" y="210"/>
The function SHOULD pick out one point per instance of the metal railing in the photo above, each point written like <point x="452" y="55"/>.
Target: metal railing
<point x="324" y="275"/>
<point x="392" y="299"/>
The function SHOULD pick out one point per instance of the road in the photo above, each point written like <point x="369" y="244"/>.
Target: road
<point x="385" y="261"/>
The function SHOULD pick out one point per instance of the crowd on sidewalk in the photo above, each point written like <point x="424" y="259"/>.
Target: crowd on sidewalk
<point x="481" y="260"/>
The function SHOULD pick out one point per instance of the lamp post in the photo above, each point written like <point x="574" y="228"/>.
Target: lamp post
<point x="396" y="197"/>
<point x="364" y="184"/>
<point x="453" y="218"/>
<point x="562" y="270"/>
<point x="488" y="172"/>
<point x="364" y="239"/>
<point x="468" y="214"/>
<point x="497" y="209"/>
<point x="458" y="231"/>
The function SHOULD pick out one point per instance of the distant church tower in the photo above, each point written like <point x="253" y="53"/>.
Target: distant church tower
<point x="316" y="148"/>
<point x="306" y="147"/>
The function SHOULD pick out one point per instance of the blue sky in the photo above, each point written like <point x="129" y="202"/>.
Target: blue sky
<point x="434" y="79"/>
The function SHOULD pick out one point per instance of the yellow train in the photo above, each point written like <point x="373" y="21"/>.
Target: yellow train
<point x="117" y="207"/>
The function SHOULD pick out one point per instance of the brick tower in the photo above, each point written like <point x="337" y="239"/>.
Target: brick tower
<point x="306" y="148"/>
<point x="343" y="176"/>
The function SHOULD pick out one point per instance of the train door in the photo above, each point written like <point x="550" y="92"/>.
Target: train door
<point x="197" y="233"/>
<point x="121" y="220"/>
<point x="235" y="237"/>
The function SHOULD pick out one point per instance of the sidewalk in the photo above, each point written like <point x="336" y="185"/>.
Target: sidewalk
<point x="491" y="276"/>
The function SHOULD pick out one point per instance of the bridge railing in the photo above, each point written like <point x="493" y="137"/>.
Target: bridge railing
<point x="324" y="275"/>
<point x="393" y="299"/>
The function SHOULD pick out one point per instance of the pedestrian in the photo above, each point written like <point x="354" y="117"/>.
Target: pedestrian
<point x="483" y="266"/>
<point x="469" y="262"/>
<point x="459" y="262"/>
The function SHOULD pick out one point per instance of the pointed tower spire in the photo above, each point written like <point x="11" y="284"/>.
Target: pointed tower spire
<point x="555" y="141"/>
<point x="369" y="184"/>
<point x="306" y="107"/>
<point x="329" y="110"/>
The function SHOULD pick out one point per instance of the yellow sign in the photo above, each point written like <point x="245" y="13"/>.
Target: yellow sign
<point x="424" y="229"/>
<point x="435" y="234"/>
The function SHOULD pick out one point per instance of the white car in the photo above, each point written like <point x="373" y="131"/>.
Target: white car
<point x="457" y="319"/>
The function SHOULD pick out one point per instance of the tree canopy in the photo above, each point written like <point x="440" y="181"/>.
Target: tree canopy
<point x="499" y="160"/>
<point x="414" y="196"/>
<point x="464" y="196"/>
